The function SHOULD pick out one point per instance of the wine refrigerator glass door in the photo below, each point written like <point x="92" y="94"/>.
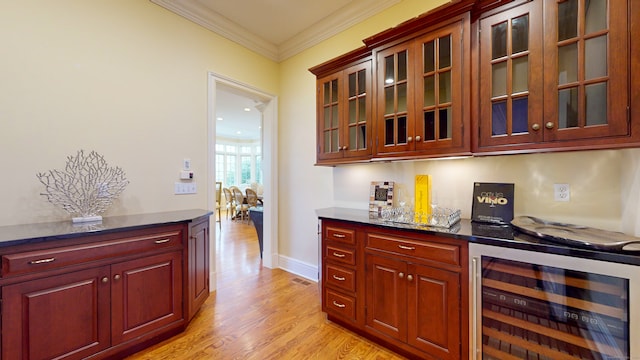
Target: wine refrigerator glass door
<point x="529" y="305"/>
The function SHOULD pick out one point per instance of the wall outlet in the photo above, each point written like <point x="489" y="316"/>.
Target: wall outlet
<point x="561" y="192"/>
<point x="181" y="188"/>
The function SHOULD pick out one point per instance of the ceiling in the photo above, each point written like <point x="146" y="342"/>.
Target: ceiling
<point x="232" y="120"/>
<point x="276" y="29"/>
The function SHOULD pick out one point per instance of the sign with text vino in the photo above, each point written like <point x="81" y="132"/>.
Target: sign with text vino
<point x="492" y="203"/>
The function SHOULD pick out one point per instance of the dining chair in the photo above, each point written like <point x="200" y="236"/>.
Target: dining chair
<point x="231" y="206"/>
<point x="252" y="197"/>
<point x="218" y="204"/>
<point x="242" y="208"/>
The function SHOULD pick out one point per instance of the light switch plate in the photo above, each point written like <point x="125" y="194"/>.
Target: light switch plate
<point x="182" y="188"/>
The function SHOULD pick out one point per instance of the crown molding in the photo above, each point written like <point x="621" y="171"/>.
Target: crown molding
<point x="220" y="25"/>
<point x="346" y="17"/>
<point x="333" y="24"/>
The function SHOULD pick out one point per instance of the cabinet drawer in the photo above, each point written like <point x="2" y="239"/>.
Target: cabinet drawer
<point x="340" y="277"/>
<point x="443" y="253"/>
<point x="39" y="260"/>
<point x="346" y="236"/>
<point x="341" y="305"/>
<point x="347" y="256"/>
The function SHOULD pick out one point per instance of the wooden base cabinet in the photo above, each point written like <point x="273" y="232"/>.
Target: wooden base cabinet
<point x="410" y="286"/>
<point x="75" y="315"/>
<point x="101" y="296"/>
<point x="65" y="316"/>
<point x="198" y="269"/>
<point x="416" y="304"/>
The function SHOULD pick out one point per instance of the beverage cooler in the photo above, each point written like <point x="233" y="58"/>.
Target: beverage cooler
<point x="531" y="305"/>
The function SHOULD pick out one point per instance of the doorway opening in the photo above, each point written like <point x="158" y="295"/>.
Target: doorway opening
<point x="266" y="104"/>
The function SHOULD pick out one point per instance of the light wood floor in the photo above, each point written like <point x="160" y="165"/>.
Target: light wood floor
<point x="260" y="313"/>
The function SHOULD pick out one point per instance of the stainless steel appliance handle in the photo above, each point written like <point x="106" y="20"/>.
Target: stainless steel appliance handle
<point x="474" y="308"/>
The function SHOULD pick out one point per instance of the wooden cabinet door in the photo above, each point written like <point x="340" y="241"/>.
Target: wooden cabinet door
<point x="433" y="311"/>
<point x="585" y="69"/>
<point x="395" y="117"/>
<point x="443" y="89"/>
<point x="146" y="295"/>
<point x="344" y="114"/>
<point x="386" y="296"/>
<point x="511" y="80"/>
<point x="62" y="317"/>
<point x="356" y="118"/>
<point x="198" y="271"/>
<point x="328" y="109"/>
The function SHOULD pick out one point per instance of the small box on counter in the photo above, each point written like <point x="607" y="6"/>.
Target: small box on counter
<point x="492" y="203"/>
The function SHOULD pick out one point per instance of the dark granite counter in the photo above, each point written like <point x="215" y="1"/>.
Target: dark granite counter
<point x="497" y="235"/>
<point x="37" y="232"/>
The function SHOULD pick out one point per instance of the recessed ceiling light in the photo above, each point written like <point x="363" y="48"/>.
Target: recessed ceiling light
<point x="247" y="109"/>
<point x="219" y="118"/>
<point x="238" y="132"/>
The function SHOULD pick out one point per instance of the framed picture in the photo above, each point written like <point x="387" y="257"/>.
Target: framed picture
<point x="380" y="196"/>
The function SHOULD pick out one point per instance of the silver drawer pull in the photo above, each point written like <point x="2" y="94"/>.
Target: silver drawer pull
<point x="339" y="255"/>
<point x="338" y="304"/>
<point x="162" y="241"/>
<point x="42" y="261"/>
<point x="339" y="278"/>
<point x="339" y="236"/>
<point x="406" y="247"/>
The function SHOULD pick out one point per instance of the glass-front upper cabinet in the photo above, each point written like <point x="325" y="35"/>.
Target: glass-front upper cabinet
<point x="511" y="79"/>
<point x="423" y="93"/>
<point x="443" y="90"/>
<point x="586" y="78"/>
<point x="344" y="114"/>
<point x="395" y="93"/>
<point x="553" y="73"/>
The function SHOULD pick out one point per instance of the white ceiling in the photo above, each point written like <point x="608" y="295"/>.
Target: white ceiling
<point x="276" y="29"/>
<point x="232" y="121"/>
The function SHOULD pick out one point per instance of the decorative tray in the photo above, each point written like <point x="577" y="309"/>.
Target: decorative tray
<point x="576" y="235"/>
<point x="439" y="217"/>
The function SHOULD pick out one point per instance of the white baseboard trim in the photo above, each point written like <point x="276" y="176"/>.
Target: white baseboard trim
<point x="213" y="283"/>
<point x="307" y="271"/>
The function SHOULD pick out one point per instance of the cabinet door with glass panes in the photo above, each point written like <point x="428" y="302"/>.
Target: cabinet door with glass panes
<point x="423" y="94"/>
<point x="395" y="115"/>
<point x="511" y="81"/>
<point x="585" y="69"/>
<point x="443" y="90"/>
<point x="553" y="73"/>
<point x="344" y="114"/>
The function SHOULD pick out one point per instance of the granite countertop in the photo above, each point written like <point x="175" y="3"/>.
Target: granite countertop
<point x="497" y="235"/>
<point x="25" y="233"/>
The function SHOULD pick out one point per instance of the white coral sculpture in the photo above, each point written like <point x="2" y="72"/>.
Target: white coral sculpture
<point x="86" y="187"/>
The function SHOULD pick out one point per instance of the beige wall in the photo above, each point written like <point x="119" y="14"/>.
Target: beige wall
<point x="304" y="187"/>
<point x="125" y="78"/>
